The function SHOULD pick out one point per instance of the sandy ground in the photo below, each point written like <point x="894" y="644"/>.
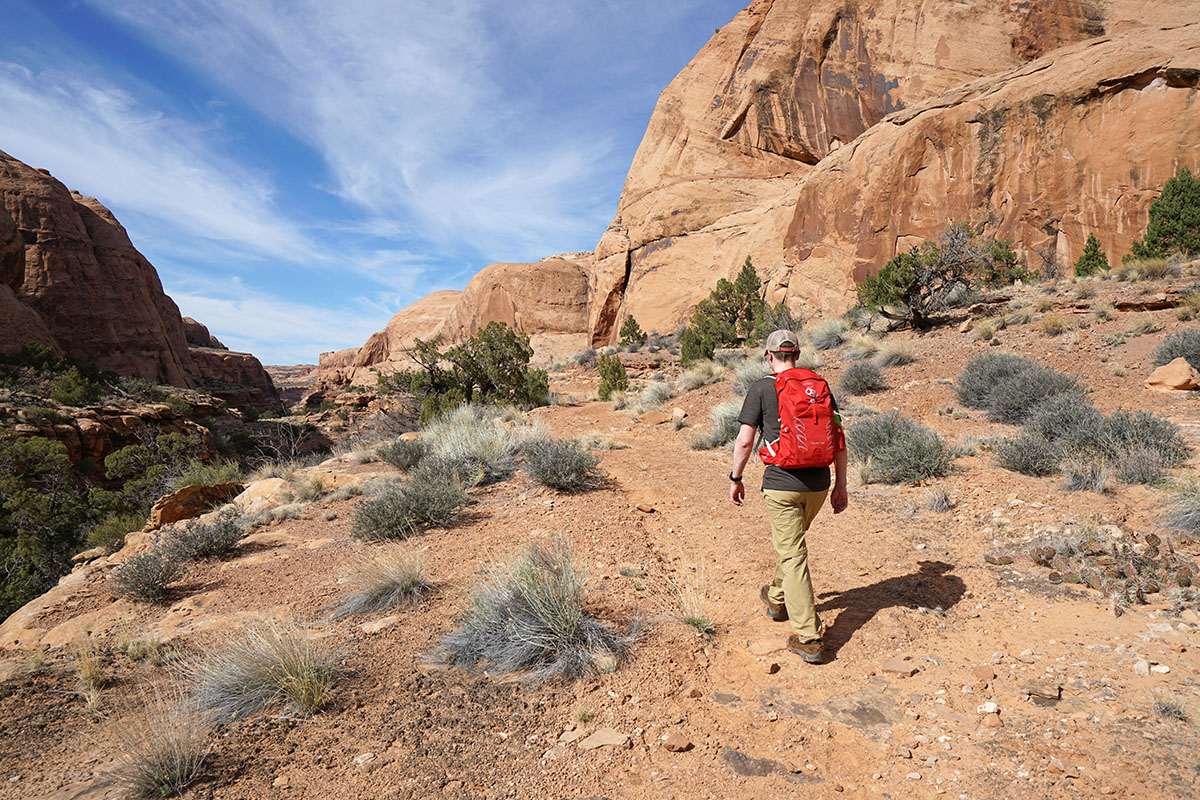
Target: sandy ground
<point x="901" y="589"/>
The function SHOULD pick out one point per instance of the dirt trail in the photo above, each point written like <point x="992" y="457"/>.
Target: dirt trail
<point x="901" y="589"/>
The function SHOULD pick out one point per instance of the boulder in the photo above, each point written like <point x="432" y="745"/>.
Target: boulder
<point x="1178" y="375"/>
<point x="189" y="502"/>
<point x="264" y="495"/>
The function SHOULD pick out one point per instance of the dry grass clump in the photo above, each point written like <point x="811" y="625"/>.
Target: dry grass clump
<point x="1142" y="324"/>
<point x="564" y="465"/>
<point x="162" y="749"/>
<point x="600" y="441"/>
<point x="862" y="345"/>
<point x="828" y="335"/>
<point x="986" y="329"/>
<point x="145" y="576"/>
<point x="700" y="374"/>
<point x="861" y="378"/>
<point x="269" y="663"/>
<point x="1043" y="304"/>
<point x="360" y="452"/>
<point x="527" y="617"/>
<point x="895" y="353"/>
<point x="898" y="450"/>
<point x="689" y="588"/>
<point x="620" y="400"/>
<point x="148" y="647"/>
<point x="477" y="440"/>
<point x="654" y="395"/>
<point x="808" y="358"/>
<point x="275" y="469"/>
<point x="402" y="453"/>
<point x="390" y="577"/>
<point x="1053" y="324"/>
<point x="1103" y="312"/>
<point x="1146" y="269"/>
<point x="1170" y="706"/>
<point x="938" y="500"/>
<point x="745" y="375"/>
<point x="91" y="675"/>
<point x="724" y="427"/>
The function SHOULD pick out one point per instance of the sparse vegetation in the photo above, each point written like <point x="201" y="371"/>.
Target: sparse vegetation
<point x="861" y="346"/>
<point x="701" y="373"/>
<point x="654" y="395"/>
<point x="1053" y="324"/>
<point x="110" y="532"/>
<point x="527" y="617"/>
<point x="1181" y="344"/>
<point x="162" y="748"/>
<point x="145" y="576"/>
<point x="211" y="539"/>
<point x="433" y="496"/>
<point x="561" y="464"/>
<point x="613" y="377"/>
<point x="269" y="663"/>
<point x="895" y="353"/>
<point x="391" y="576"/>
<point x="402" y="453"/>
<point x="1104" y="311"/>
<point x="861" y="378"/>
<point x="724" y="427"/>
<point x="900" y="450"/>
<point x="91" y="674"/>
<point x="746" y="374"/>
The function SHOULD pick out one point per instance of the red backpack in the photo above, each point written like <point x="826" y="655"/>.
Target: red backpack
<point x="810" y="433"/>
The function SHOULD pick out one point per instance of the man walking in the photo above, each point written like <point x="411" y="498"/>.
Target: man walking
<point x="811" y="438"/>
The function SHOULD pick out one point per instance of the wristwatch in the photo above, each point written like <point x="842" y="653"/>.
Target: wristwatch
<point x="735" y="480"/>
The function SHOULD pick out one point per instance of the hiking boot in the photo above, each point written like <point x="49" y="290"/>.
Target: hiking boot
<point x="809" y="651"/>
<point x="776" y="611"/>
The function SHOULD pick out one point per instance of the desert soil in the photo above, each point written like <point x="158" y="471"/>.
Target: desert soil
<point x="921" y="631"/>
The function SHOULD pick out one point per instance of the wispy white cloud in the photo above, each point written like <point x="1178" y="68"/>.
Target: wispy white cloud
<point x="103" y="142"/>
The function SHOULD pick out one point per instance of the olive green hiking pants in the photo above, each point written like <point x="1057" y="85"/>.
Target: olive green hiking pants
<point x="791" y="513"/>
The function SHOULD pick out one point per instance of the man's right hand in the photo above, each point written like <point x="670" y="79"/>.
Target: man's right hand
<point x="839" y="498"/>
<point x="737" y="492"/>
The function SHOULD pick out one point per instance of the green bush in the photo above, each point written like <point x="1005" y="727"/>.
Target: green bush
<point x="898" y="449"/>
<point x="1009" y="386"/>
<point x="1181" y="344"/>
<point x="73" y="389"/>
<point x="612" y="376"/>
<point x="862" y="377"/>
<point x="527" y="617"/>
<point x="562" y="464"/>
<point x="1092" y="260"/>
<point x="631" y="332"/>
<point x="1174" y="225"/>
<point x="110" y="532"/>
<point x="726" y="317"/>
<point x="211" y="539"/>
<point x="402" y="453"/>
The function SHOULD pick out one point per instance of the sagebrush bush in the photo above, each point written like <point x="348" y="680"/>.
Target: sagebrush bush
<point x="828" y="335"/>
<point x="975" y="384"/>
<point x="895" y="354"/>
<point x="724" y="428"/>
<point x="210" y="539"/>
<point x="745" y="375"/>
<point x="1181" y="344"/>
<point x="145" y="576"/>
<point x="1139" y="465"/>
<point x="527" y="617"/>
<point x="1127" y="431"/>
<point x="401" y="453"/>
<point x="860" y="378"/>
<point x="477" y="439"/>
<point x="1183" y="509"/>
<point x="900" y="450"/>
<point x="654" y="395"/>
<point x="1028" y="455"/>
<point x="562" y="464"/>
<point x="1086" y="472"/>
<point x="432" y="497"/>
<point x="269" y="663"/>
<point x="1010" y="386"/>
<point x="162" y="750"/>
<point x="700" y="373"/>
<point x="391" y="576"/>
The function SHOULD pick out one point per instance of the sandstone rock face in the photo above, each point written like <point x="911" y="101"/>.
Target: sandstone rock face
<point x="189" y="502"/>
<point x="198" y="336"/>
<point x="98" y="296"/>
<point x="1045" y="154"/>
<point x="1176" y="375"/>
<point x="237" y="378"/>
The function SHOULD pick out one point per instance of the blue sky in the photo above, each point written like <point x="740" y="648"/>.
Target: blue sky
<point x="299" y="171"/>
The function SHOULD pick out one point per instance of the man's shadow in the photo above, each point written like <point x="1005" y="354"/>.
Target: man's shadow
<point x="930" y="586"/>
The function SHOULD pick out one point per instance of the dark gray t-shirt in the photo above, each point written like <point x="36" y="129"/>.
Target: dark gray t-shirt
<point x="761" y="409"/>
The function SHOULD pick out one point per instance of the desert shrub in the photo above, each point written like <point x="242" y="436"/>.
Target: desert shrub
<point x="631" y="332"/>
<point x="145" y="576"/>
<point x="527" y="617"/>
<point x="701" y="373"/>
<point x="938" y="501"/>
<point x="1053" y="324"/>
<point x="1142" y="324"/>
<point x="1130" y="431"/>
<point x="1174" y="225"/>
<point x="432" y="497"/>
<point x="725" y="318"/>
<point x="654" y="395"/>
<point x="985" y="329"/>
<point x="402" y="453"/>
<point x="162" y="750"/>
<point x="895" y="354"/>
<point x="309" y="487"/>
<point x="612" y="376"/>
<point x="110" y="532"/>
<point x="749" y="372"/>
<point x="1181" y="344"/>
<point x="828" y="335"/>
<point x="1009" y="386"/>
<point x="978" y="379"/>
<point x="389" y="577"/>
<point x="1104" y="311"/>
<point x="1028" y="455"/>
<point x="808" y="358"/>
<point x="1069" y="421"/>
<point x="212" y="539"/>
<point x="861" y="346"/>
<point x="269" y="663"/>
<point x="1021" y="316"/>
<point x="862" y="377"/>
<point x="584" y="358"/>
<point x="477" y="439"/>
<point x="1140" y="465"/>
<point x="1092" y="260"/>
<point x="1183" y="509"/>
<point x="1086" y="472"/>
<point x="899" y="449"/>
<point x="205" y="473"/>
<point x="724" y="429"/>
<point x="72" y="388"/>
<point x="564" y="465"/>
<point x="620" y="401"/>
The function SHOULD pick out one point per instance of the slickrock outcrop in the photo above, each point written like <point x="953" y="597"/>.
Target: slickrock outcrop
<point x="70" y="278"/>
<point x="1075" y="143"/>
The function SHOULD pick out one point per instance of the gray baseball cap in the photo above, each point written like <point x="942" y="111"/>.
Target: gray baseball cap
<point x="782" y="341"/>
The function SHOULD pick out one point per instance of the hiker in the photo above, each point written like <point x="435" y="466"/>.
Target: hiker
<point x="796" y="479"/>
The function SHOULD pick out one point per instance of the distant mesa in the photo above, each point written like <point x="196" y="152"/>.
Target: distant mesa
<point x="71" y="279"/>
<point x="821" y="139"/>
